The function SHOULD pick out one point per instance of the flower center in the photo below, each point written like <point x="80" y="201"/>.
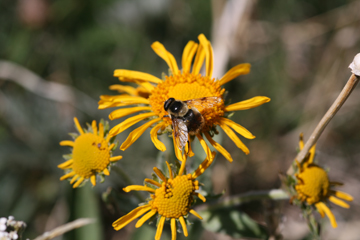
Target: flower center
<point x="188" y="86"/>
<point x="90" y="155"/>
<point x="173" y="199"/>
<point x="314" y="183"/>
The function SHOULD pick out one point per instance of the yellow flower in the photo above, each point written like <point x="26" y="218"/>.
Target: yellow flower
<point x="313" y="186"/>
<point x="171" y="198"/>
<point x="181" y="85"/>
<point x="91" y="155"/>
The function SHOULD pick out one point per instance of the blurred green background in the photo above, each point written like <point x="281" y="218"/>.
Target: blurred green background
<point x="58" y="57"/>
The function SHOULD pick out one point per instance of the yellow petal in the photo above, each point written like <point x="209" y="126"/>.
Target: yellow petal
<point x="173" y="229"/>
<point x="199" y="60"/>
<point x="111" y="146"/>
<point x="78" y="182"/>
<point x="238" y="128"/>
<point x="129" y="99"/>
<point x="208" y="53"/>
<point x="74" y="179"/>
<point x="154" y="137"/>
<point x="160" y="50"/>
<point x="94" y="127"/>
<point x="178" y="153"/>
<point x="160" y="174"/>
<point x="247" y="104"/>
<point x="131" y="76"/>
<point x="93" y="180"/>
<point x="343" y="196"/>
<point x="116" y="158"/>
<point x="70" y="174"/>
<point x="204" y="145"/>
<point x="218" y="147"/>
<point x="188" y="55"/>
<point x="101" y="130"/>
<point x="138" y="188"/>
<point x="200" y="196"/>
<point x="188" y="150"/>
<point x="204" y="165"/>
<point x="328" y="213"/>
<point x="170" y="171"/>
<point x="134" y="135"/>
<point x="155" y="183"/>
<point x="160" y="228"/>
<point x="129" y="122"/>
<point x="122" y="88"/>
<point x="123" y="221"/>
<point x="312" y="153"/>
<point x="234" y="138"/>
<point x="146" y="85"/>
<point x="183" y="164"/>
<point x="321" y="211"/>
<point x="234" y="72"/>
<point x="122" y="112"/>
<point x="66" y="164"/>
<point x="183" y="224"/>
<point x="301" y="141"/>
<point x="195" y="214"/>
<point x="67" y="143"/>
<point x="144" y="218"/>
<point x="338" y="202"/>
<point x="77" y="124"/>
<point x="106" y="172"/>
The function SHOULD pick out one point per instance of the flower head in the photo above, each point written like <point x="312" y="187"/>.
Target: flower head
<point x="170" y="198"/>
<point x="314" y="188"/>
<point x="182" y="85"/>
<point x="91" y="154"/>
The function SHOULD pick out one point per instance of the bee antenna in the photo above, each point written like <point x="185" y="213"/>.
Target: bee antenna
<point x="168" y="102"/>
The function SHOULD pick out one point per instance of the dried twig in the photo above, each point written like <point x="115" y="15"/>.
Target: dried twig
<point x="350" y="85"/>
<point x="65" y="228"/>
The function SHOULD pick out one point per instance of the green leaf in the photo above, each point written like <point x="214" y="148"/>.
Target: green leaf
<point x="233" y="223"/>
<point x="86" y="205"/>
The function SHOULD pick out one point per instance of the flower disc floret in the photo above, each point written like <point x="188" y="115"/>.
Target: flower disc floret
<point x="314" y="188"/>
<point x="171" y="198"/>
<point x="185" y="84"/>
<point x="91" y="155"/>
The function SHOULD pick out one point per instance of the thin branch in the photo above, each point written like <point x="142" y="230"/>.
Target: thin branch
<point x="65" y="228"/>
<point x="350" y="85"/>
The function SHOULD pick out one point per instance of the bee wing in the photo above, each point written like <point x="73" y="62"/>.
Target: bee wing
<point x="205" y="102"/>
<point x="180" y="132"/>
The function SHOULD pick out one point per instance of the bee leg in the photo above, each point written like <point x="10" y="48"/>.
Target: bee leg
<point x="167" y="116"/>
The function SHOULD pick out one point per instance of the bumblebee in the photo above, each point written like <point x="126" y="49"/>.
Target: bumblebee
<point x="185" y="117"/>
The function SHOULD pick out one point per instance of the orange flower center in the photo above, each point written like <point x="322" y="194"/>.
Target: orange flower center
<point x="173" y="199"/>
<point x="90" y="155"/>
<point x="188" y="86"/>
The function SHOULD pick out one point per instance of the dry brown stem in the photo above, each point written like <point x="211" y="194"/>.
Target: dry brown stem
<point x="65" y="228"/>
<point x="344" y="94"/>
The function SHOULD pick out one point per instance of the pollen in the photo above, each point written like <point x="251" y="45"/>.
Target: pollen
<point x="91" y="154"/>
<point x="188" y="86"/>
<point x="174" y="198"/>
